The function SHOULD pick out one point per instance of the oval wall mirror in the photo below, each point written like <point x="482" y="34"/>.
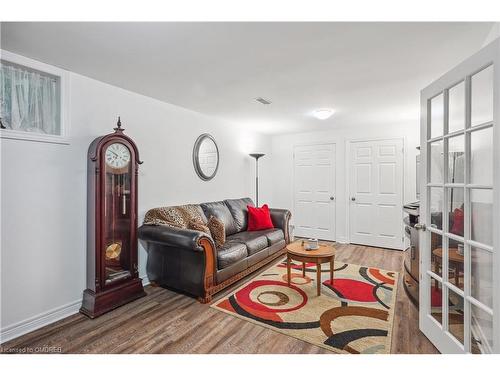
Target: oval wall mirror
<point x="206" y="157"/>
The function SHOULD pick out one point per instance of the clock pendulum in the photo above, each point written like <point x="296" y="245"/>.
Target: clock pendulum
<point x="114" y="249"/>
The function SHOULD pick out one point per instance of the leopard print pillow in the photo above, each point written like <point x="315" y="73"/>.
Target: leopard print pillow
<point x="199" y="226"/>
<point x="217" y="230"/>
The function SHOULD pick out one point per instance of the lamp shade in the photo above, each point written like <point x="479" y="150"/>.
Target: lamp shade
<point x="256" y="155"/>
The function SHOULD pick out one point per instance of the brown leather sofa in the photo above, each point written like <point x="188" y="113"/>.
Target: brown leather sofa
<point x="188" y="261"/>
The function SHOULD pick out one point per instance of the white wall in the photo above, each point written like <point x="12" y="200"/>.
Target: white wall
<point x="43" y="191"/>
<point x="283" y="145"/>
<point x="493" y="34"/>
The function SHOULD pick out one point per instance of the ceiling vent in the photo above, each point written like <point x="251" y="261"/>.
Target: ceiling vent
<point x="263" y="101"/>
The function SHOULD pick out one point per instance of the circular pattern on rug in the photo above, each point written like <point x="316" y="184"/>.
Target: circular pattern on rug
<point x="293" y="279"/>
<point x="352" y="290"/>
<point x="256" y="295"/>
<point x="386" y="277"/>
<point x="267" y="299"/>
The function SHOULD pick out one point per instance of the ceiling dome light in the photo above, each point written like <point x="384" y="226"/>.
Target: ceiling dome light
<point x="323" y="113"/>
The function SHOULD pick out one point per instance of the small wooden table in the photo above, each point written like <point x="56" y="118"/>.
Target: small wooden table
<point x="297" y="251"/>
<point x="454" y="259"/>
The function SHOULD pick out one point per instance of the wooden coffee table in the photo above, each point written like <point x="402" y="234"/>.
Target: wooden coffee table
<point x="455" y="260"/>
<point x="297" y="252"/>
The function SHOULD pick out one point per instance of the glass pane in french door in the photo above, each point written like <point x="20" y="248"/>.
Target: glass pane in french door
<point x="456" y="159"/>
<point x="436" y="161"/>
<point x="455" y="203"/>
<point x="437" y="116"/>
<point x="481" y="144"/>
<point x="436" y="205"/>
<point x="481" y="275"/>
<point x="437" y="253"/>
<point x="481" y="331"/>
<point x="481" y="216"/>
<point x="456" y="315"/>
<point x="456" y="115"/>
<point x="436" y="296"/>
<point x="482" y="96"/>
<point x="456" y="263"/>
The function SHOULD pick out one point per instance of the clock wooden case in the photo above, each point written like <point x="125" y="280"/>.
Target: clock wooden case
<point x="112" y="273"/>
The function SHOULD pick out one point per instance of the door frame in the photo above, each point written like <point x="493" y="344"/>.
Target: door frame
<point x="348" y="143"/>
<point x="295" y="145"/>
<point x="468" y="67"/>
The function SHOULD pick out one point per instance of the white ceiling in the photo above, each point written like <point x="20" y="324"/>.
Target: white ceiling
<point x="370" y="73"/>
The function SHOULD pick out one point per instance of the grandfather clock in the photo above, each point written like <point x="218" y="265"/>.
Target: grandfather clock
<point x="112" y="274"/>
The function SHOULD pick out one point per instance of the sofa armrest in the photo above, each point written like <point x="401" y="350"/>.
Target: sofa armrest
<point x="174" y="237"/>
<point x="178" y="250"/>
<point x="281" y="219"/>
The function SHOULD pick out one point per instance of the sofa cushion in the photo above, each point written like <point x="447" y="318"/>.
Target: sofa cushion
<point x="273" y="235"/>
<point x="230" y="253"/>
<point x="254" y="241"/>
<point x="239" y="210"/>
<point x="276" y="247"/>
<point x="220" y="211"/>
<point x="257" y="257"/>
<point x="235" y="268"/>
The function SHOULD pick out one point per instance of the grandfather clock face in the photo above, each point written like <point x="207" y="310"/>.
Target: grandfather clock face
<point x="117" y="156"/>
<point x="117" y="212"/>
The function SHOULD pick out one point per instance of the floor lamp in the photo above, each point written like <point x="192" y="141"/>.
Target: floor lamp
<point x="256" y="156"/>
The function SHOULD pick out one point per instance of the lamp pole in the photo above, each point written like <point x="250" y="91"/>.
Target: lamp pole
<point x="257" y="156"/>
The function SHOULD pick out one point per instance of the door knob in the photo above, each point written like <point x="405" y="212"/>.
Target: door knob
<point x="419" y="226"/>
<point x="353" y="198"/>
<point x="332" y="198"/>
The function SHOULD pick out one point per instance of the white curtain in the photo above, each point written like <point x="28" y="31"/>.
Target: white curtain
<point x="29" y="100"/>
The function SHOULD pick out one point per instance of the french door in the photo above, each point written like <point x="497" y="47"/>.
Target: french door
<point x="460" y="206"/>
<point x="314" y="191"/>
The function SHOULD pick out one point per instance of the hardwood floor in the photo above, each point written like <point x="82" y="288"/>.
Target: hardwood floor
<point x="167" y="322"/>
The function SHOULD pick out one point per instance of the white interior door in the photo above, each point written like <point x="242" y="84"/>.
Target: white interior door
<point x="314" y="191"/>
<point x="459" y="210"/>
<point x="376" y="193"/>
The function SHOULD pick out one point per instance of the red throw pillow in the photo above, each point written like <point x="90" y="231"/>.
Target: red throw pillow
<point x="259" y="218"/>
<point x="458" y="222"/>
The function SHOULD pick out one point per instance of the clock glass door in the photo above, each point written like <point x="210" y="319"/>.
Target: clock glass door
<point x="117" y="213"/>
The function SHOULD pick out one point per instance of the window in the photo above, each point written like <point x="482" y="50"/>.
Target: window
<point x="32" y="100"/>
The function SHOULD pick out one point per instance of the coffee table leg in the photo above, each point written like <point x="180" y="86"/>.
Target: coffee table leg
<point x="303" y="269"/>
<point x="318" y="276"/>
<point x="332" y="265"/>
<point x="288" y="271"/>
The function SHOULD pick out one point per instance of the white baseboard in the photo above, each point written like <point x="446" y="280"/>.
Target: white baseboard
<point x="41" y="320"/>
<point x="38" y="321"/>
<point x="342" y="240"/>
<point x="145" y="280"/>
